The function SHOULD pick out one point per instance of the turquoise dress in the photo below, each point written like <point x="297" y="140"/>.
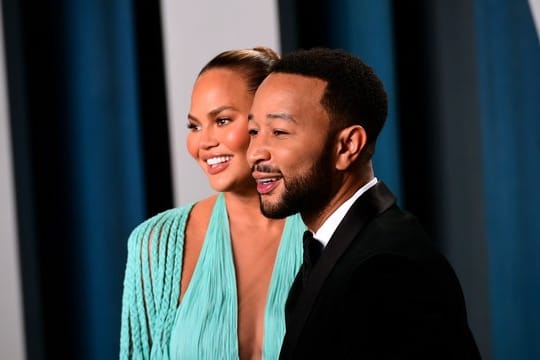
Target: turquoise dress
<point x="204" y="326"/>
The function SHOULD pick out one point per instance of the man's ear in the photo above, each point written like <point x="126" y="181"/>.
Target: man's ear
<point x="350" y="142"/>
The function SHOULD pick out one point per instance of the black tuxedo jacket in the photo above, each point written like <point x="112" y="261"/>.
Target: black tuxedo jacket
<point x="379" y="291"/>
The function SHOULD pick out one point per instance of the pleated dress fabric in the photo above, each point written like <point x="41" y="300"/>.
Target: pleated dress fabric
<point x="204" y="326"/>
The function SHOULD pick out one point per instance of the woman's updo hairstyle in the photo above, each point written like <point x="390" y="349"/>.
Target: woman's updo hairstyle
<point x="254" y="63"/>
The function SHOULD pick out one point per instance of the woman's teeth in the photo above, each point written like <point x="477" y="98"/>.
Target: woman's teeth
<point x="218" y="160"/>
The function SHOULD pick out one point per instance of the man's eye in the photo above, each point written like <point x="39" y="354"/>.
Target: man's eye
<point x="223" y="121"/>
<point x="278" y="132"/>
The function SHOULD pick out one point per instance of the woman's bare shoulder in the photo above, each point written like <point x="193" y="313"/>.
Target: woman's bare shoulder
<point x="201" y="212"/>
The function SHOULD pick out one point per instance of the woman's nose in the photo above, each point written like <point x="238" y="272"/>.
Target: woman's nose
<point x="208" y="139"/>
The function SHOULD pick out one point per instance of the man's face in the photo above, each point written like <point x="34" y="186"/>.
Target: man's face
<point x="290" y="152"/>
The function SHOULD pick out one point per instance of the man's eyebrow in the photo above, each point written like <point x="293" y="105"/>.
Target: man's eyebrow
<point x="281" y="115"/>
<point x="278" y="115"/>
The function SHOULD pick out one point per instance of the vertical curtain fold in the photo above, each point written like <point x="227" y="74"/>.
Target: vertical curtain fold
<point x="78" y="152"/>
<point x="509" y="77"/>
<point x="105" y="160"/>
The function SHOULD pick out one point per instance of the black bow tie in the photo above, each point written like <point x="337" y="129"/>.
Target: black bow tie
<point x="312" y="251"/>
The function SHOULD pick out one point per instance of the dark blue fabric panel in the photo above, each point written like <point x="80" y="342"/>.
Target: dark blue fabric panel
<point x="106" y="160"/>
<point x="365" y="28"/>
<point x="509" y="68"/>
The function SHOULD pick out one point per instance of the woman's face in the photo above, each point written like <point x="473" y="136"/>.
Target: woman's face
<point x="217" y="123"/>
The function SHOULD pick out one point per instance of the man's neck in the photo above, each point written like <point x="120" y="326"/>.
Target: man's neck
<point x="349" y="186"/>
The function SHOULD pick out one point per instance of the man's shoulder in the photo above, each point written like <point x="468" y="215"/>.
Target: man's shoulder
<point x="396" y="242"/>
<point x="395" y="231"/>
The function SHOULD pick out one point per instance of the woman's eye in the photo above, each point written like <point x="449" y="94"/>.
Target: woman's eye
<point x="193" y="127"/>
<point x="223" y="121"/>
<point x="253" y="132"/>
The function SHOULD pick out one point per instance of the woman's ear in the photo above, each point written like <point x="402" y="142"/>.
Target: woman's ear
<point x="350" y="142"/>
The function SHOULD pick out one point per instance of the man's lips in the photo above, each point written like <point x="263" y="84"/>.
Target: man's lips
<point x="267" y="183"/>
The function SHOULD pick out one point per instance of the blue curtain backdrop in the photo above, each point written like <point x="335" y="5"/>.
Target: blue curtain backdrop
<point x="509" y="73"/>
<point x="106" y="161"/>
<point x="79" y="167"/>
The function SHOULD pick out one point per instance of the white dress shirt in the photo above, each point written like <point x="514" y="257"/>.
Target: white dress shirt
<point x="328" y="228"/>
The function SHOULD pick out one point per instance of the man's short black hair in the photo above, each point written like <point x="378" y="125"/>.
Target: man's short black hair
<point x="353" y="95"/>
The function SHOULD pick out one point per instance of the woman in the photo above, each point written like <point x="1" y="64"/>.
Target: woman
<point x="210" y="280"/>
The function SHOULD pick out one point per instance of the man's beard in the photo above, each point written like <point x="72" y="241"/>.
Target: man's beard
<point x="307" y="193"/>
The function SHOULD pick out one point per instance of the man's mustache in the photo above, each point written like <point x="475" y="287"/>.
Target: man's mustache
<point x="264" y="169"/>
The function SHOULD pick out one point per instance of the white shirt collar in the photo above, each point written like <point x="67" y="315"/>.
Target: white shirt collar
<point x="328" y="228"/>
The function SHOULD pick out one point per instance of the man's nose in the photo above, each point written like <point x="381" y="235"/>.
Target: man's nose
<point x="257" y="152"/>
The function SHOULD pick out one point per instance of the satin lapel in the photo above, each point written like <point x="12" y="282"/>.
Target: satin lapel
<point x="372" y="203"/>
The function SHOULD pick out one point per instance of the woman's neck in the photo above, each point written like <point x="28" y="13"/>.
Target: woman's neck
<point x="246" y="208"/>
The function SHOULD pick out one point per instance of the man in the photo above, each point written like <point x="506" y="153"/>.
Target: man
<point x="379" y="289"/>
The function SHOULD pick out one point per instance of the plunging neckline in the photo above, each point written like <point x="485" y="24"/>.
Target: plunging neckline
<point x="214" y="279"/>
